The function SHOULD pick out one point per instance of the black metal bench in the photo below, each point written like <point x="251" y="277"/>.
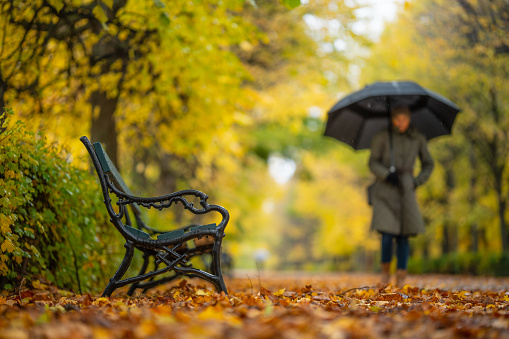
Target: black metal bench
<point x="167" y="254"/>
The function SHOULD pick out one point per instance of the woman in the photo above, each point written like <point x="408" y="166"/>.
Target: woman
<point x="396" y="214"/>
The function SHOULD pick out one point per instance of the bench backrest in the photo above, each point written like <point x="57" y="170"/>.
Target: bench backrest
<point x="109" y="168"/>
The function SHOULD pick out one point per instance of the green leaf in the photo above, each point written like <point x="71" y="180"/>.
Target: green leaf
<point x="159" y="4"/>
<point x="164" y="18"/>
<point x="291" y="3"/>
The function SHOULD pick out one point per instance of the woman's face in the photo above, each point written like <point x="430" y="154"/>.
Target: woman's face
<point x="401" y="122"/>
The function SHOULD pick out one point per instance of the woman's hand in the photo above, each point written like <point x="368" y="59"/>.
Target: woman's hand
<point x="393" y="179"/>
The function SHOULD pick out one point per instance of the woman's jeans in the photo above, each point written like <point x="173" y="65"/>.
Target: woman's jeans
<point x="402" y="249"/>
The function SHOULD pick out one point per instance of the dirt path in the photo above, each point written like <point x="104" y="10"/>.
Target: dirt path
<point x="350" y="280"/>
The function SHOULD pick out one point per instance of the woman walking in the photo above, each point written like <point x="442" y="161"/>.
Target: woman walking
<point x="396" y="213"/>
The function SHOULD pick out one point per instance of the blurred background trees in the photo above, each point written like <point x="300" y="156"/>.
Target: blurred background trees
<point x="458" y="48"/>
<point x="230" y="97"/>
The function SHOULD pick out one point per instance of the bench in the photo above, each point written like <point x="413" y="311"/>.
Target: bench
<point x="166" y="254"/>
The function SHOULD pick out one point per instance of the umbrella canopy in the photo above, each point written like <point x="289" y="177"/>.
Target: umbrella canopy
<point x="357" y="117"/>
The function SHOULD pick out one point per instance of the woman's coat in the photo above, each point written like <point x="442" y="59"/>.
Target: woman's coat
<point x="395" y="209"/>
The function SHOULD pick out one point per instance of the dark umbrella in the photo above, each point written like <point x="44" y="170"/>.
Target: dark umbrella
<point x="357" y="117"/>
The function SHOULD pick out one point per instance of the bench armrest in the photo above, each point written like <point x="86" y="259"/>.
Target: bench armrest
<point x="168" y="200"/>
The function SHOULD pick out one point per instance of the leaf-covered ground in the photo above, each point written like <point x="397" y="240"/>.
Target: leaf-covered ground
<point x="269" y="306"/>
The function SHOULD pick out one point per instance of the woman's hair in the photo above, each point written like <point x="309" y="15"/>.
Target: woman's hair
<point x="397" y="110"/>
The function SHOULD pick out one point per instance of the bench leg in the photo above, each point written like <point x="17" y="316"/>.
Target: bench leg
<point x="112" y="285"/>
<point x="216" y="268"/>
<point x="143" y="269"/>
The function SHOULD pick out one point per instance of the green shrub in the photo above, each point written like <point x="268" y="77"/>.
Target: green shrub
<point x="52" y="220"/>
<point x="488" y="264"/>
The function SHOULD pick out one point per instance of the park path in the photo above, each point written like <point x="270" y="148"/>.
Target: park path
<point x="265" y="304"/>
<point x="359" y="279"/>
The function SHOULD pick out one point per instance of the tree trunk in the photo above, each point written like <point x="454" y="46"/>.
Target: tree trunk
<point x="503" y="226"/>
<point x="474" y="231"/>
<point x="168" y="178"/>
<point x="103" y="125"/>
<point x="425" y="249"/>
<point x="449" y="242"/>
<point x="474" y="242"/>
<point x="498" y="169"/>
<point x="445" y="240"/>
<point x="167" y="183"/>
<point x="3" y="87"/>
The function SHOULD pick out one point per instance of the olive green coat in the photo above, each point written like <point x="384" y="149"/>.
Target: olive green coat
<point x="395" y="209"/>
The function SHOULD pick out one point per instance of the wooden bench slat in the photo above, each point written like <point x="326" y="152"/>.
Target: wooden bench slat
<point x="181" y="232"/>
<point x="203" y="227"/>
<point x="110" y="169"/>
<point x="137" y="232"/>
<point x="204" y="240"/>
<point x="171" y="234"/>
